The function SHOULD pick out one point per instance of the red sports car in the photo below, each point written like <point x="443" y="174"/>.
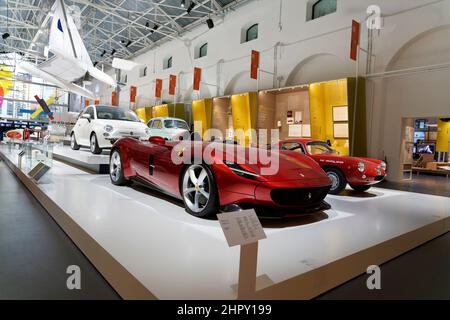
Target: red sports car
<point x="222" y="178"/>
<point x="359" y="173"/>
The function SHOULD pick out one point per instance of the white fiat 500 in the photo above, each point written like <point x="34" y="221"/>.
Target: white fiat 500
<point x="167" y="128"/>
<point x="98" y="127"/>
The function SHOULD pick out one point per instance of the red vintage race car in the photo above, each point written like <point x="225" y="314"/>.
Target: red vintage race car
<point x="359" y="173"/>
<point x="223" y="178"/>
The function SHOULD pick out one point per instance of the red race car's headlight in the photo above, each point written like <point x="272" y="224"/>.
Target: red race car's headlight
<point x="240" y="171"/>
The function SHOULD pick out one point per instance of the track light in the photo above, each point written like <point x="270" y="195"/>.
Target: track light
<point x="210" y="23"/>
<point x="183" y="3"/>
<point x="5" y="35"/>
<point x="191" y="7"/>
<point x="155" y="27"/>
<point x="128" y="43"/>
<point x="103" y="53"/>
<point x="147" y="24"/>
<point x="113" y="52"/>
<point x="95" y="63"/>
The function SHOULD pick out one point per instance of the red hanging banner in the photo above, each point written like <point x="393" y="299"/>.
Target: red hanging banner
<point x="114" y="98"/>
<point x="197" y="78"/>
<point x="133" y="91"/>
<point x="254" y="65"/>
<point x="172" y="84"/>
<point x="158" y="88"/>
<point x="356" y="27"/>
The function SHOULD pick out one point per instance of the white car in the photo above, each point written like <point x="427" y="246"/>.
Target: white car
<point x="168" y="128"/>
<point x="98" y="127"/>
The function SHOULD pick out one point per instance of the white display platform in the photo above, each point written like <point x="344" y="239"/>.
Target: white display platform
<point x="84" y="158"/>
<point x="138" y="237"/>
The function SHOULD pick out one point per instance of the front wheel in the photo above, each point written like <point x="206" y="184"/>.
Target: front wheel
<point x="338" y="181"/>
<point x="199" y="191"/>
<point x="116" y="169"/>
<point x="95" y="149"/>
<point x="73" y="142"/>
<point x="360" y="188"/>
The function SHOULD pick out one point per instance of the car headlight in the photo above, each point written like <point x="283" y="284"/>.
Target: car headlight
<point x="361" y="166"/>
<point x="383" y="165"/>
<point x="108" y="128"/>
<point x="237" y="169"/>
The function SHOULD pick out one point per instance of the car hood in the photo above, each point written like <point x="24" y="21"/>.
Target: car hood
<point x="124" y="125"/>
<point x="283" y="166"/>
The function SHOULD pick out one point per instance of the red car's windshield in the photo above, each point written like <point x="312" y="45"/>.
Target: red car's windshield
<point x="318" y="147"/>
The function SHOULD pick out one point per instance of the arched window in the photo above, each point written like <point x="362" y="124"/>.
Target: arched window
<point x="203" y="51"/>
<point x="323" y="7"/>
<point x="168" y="63"/>
<point x="252" y="33"/>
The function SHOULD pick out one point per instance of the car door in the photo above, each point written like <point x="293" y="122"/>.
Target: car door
<point x="88" y="125"/>
<point x="82" y="125"/>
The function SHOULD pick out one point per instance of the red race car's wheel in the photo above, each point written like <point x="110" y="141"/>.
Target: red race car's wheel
<point x="338" y="181"/>
<point x="199" y="191"/>
<point x="116" y="169"/>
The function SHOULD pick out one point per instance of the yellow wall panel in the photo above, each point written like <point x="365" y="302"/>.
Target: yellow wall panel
<point x="243" y="109"/>
<point x="201" y="114"/>
<point x="160" y="111"/>
<point x="443" y="137"/>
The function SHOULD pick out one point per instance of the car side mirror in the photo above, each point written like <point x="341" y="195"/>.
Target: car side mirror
<point x="157" y="140"/>
<point x="87" y="117"/>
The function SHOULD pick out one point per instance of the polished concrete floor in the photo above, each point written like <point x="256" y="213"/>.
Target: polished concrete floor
<point x="427" y="184"/>
<point x="420" y="274"/>
<point x="35" y="252"/>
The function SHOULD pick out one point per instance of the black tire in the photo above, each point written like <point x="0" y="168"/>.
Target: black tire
<point x="360" y="188"/>
<point x="73" y="142"/>
<point x="211" y="207"/>
<point x="338" y="179"/>
<point x="116" y="169"/>
<point x="93" y="144"/>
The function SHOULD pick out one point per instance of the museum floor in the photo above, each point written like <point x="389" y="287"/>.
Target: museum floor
<point x="37" y="252"/>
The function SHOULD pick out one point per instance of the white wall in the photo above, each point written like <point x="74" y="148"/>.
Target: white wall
<point x="310" y="51"/>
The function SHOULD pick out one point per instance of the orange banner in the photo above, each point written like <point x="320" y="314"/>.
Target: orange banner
<point x="254" y="65"/>
<point x="356" y="27"/>
<point x="197" y="78"/>
<point x="172" y="84"/>
<point x="158" y="88"/>
<point x="114" y="98"/>
<point x="133" y="91"/>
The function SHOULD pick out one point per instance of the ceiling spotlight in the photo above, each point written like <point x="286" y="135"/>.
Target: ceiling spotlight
<point x="155" y="27"/>
<point x="191" y="7"/>
<point x="210" y="23"/>
<point x="183" y="3"/>
<point x="95" y="63"/>
<point x="103" y="53"/>
<point x="147" y="24"/>
<point x="113" y="52"/>
<point x="128" y="43"/>
<point x="5" y="35"/>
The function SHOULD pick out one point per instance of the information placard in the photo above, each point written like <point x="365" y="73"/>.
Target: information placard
<point x="241" y="228"/>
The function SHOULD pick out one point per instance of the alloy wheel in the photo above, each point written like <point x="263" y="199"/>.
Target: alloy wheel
<point x="196" y="188"/>
<point x="115" y="166"/>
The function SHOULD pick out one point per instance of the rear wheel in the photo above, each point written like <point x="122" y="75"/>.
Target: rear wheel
<point x="73" y="142"/>
<point x="338" y="181"/>
<point x="116" y="169"/>
<point x="360" y="188"/>
<point x="199" y="191"/>
<point x="95" y="149"/>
